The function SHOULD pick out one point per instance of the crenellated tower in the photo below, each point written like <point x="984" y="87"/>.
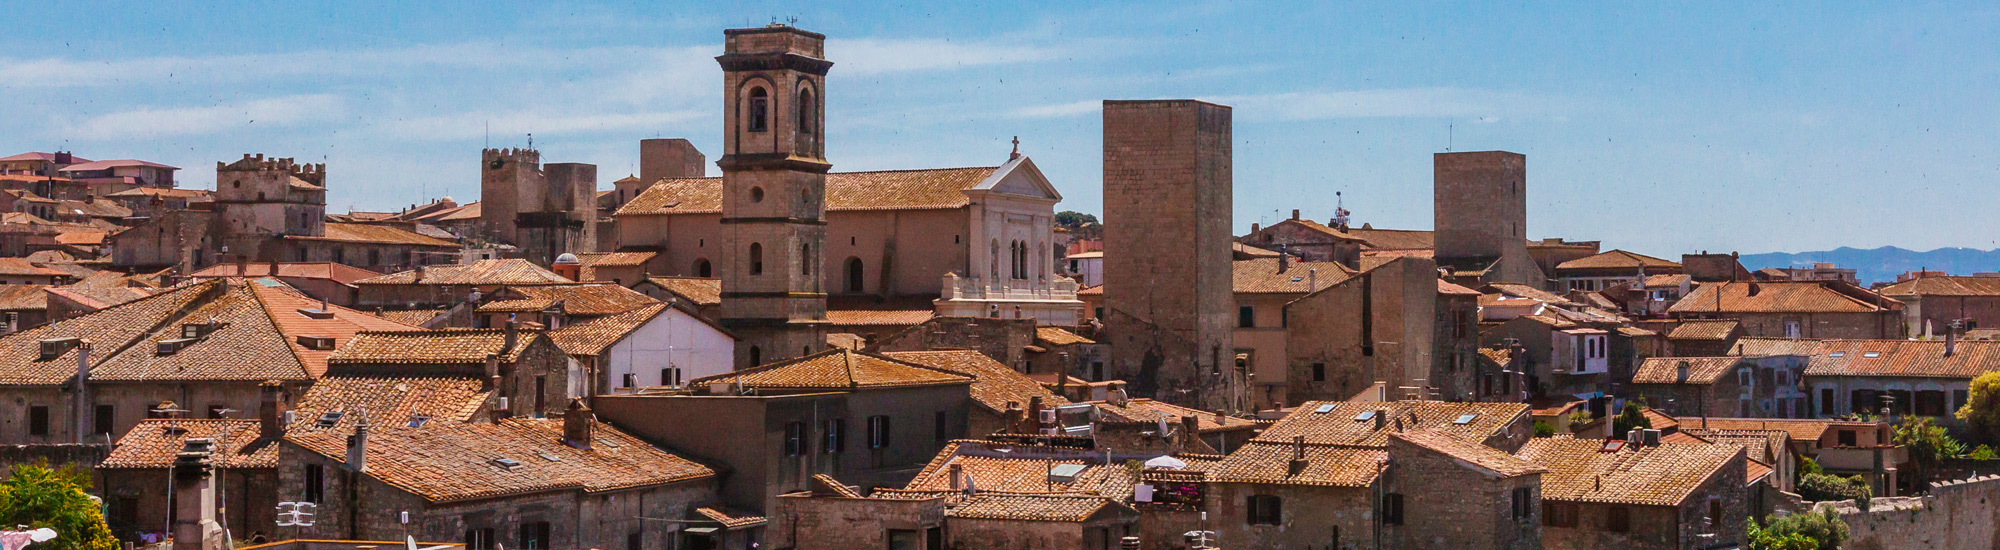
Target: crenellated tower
<point x="773" y="191"/>
<point x="258" y="199"/>
<point x="545" y="210"/>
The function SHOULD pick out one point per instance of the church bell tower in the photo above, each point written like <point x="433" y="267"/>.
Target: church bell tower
<point x="773" y="192"/>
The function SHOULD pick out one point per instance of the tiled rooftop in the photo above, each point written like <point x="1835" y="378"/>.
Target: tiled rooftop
<point x="995" y="385"/>
<point x="153" y="443"/>
<point x="1492" y="460"/>
<point x="456" y="462"/>
<point x="1703" y="330"/>
<point x="886" y="190"/>
<point x="1619" y="259"/>
<point x="1666" y="370"/>
<point x="1904" y="358"/>
<point x="1662" y="475"/>
<point x="1149" y="410"/>
<point x="836" y="369"/>
<point x="702" y="291"/>
<point x="1058" y="336"/>
<point x="444" y="346"/>
<point x="483" y="272"/>
<point x="1945" y="286"/>
<point x="1776" y="297"/>
<point x="1261" y="276"/>
<point x="340" y="273"/>
<point x="375" y="234"/>
<point x="389" y="400"/>
<point x="1343" y="423"/>
<point x="1325" y="465"/>
<point x="592" y="299"/>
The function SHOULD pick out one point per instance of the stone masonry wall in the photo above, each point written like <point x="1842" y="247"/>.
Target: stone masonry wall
<point x="1956" y="514"/>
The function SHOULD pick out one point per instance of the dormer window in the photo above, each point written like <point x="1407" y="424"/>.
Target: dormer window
<point x="759" y="117"/>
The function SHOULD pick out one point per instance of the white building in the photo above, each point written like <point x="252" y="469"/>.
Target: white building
<point x="657" y="345"/>
<point x="1088" y="267"/>
<point x="1013" y="211"/>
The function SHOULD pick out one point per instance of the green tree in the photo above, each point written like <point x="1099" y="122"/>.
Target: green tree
<point x="1983" y="452"/>
<point x="1982" y="406"/>
<point x="1927" y="443"/>
<point x="39" y="496"/>
<point x="1083" y="226"/>
<point x="1826" y="487"/>
<point x="1629" y="419"/>
<point x="1543" y="429"/>
<point x="1822" y="530"/>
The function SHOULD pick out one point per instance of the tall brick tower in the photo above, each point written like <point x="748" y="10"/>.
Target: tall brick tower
<point x="1167" y="294"/>
<point x="773" y="192"/>
<point x="545" y="210"/>
<point x="1481" y="209"/>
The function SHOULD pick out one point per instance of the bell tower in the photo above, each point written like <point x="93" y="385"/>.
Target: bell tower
<point x="773" y="192"/>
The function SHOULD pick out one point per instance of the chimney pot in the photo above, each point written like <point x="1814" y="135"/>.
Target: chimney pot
<point x="1295" y="213"/>
<point x="578" y="424"/>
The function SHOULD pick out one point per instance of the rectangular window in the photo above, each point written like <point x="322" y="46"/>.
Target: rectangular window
<point x="1458" y="324"/>
<point x="1845" y="439"/>
<point x="1265" y="510"/>
<point x="38" y="420"/>
<point x="942" y="428"/>
<point x="1097" y="371"/>
<point x="878" y="432"/>
<point x="1618" y="519"/>
<point x="1524" y="506"/>
<point x="1246" y="317"/>
<point x="1559" y="514"/>
<point x="102" y="420"/>
<point x="535" y="536"/>
<point x="795" y="439"/>
<point x="904" y="539"/>
<point x="1392" y="509"/>
<point x="1319" y="372"/>
<point x="670" y="376"/>
<point x="836" y="436"/>
<point x="1714" y="512"/>
<point x="631" y="379"/>
<point x="1957" y="399"/>
<point x="315" y="483"/>
<point x="1826" y="401"/>
<point x="633" y="541"/>
<point x="479" y="539"/>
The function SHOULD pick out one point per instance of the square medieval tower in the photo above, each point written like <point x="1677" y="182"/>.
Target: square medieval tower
<point x="1481" y="210"/>
<point x="1167" y="201"/>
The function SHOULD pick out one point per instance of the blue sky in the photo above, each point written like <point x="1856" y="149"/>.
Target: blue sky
<point x="1661" y="127"/>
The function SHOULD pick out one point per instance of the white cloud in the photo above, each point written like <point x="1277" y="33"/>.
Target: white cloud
<point x="177" y="121"/>
<point x="1388" y="103"/>
<point x="1060" y="110"/>
<point x="474" y="125"/>
<point x="869" y="56"/>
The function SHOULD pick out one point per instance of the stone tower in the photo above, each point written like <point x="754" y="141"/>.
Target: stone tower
<point x="1167" y="293"/>
<point x="544" y="210"/>
<point x="260" y="200"/>
<point x="1481" y="206"/>
<point x="773" y="192"/>
<point x="670" y="158"/>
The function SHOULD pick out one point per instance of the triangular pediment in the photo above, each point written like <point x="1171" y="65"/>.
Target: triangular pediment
<point x="1019" y="177"/>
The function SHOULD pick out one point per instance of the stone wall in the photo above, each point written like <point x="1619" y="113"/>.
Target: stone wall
<point x="1376" y="326"/>
<point x="1956" y="514"/>
<point x="56" y="455"/>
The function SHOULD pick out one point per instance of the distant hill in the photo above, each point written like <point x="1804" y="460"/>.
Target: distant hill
<point x="1883" y="264"/>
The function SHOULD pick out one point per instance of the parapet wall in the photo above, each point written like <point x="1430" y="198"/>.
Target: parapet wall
<point x="1956" y="514"/>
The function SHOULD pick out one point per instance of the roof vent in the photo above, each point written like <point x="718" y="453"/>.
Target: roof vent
<point x="316" y="313"/>
<point x="507" y="464"/>
<point x="170" y="347"/>
<point x="1065" y="473"/>
<point x="55" y="347"/>
<point x="199" y="330"/>
<point x="549" y="457"/>
<point x="607" y="443"/>
<point x="322" y="343"/>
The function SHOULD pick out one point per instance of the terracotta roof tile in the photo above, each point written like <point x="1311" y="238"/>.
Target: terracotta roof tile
<point x="615" y="259"/>
<point x="886" y="190"/>
<point x="154" y="442"/>
<point x="994" y="386"/>
<point x="1666" y="370"/>
<point x="1761" y="445"/>
<point x="1809" y="430"/>
<point x="108" y="330"/>
<point x="19" y="267"/>
<point x="1525" y="291"/>
<point x="588" y="300"/>
<point x="1912" y="358"/>
<point x="375" y="234"/>
<point x="700" y="290"/>
<point x="1394" y="239"/>
<point x="389" y="400"/>
<point x="1704" y="330"/>
<point x="837" y="369"/>
<point x="1758" y="347"/>
<point x="23" y="297"/>
<point x="1325" y="465"/>
<point x="1261" y="276"/>
<point x="1775" y="297"/>
<point x="1491" y="459"/>
<point x="731" y="518"/>
<point x="1024" y="469"/>
<point x="1339" y="425"/>
<point x="1446" y="287"/>
<point x="298" y="316"/>
<point x="1150" y="411"/>
<point x="1057" y="336"/>
<point x="1662" y="475"/>
<point x="483" y="272"/>
<point x="412" y="317"/>
<point x="1030" y="507"/>
<point x="455" y="462"/>
<point x="878" y="317"/>
<point x="163" y="192"/>
<point x="1754" y="471"/>
<point x="431" y="347"/>
<point x="340" y="273"/>
<point x="248" y="346"/>
<point x="591" y="337"/>
<point x="1945" y="286"/>
<point x="1619" y="259"/>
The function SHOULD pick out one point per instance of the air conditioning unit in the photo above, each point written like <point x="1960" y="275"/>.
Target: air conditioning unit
<point x="1048" y="416"/>
<point x="502" y="405"/>
<point x="170" y="347"/>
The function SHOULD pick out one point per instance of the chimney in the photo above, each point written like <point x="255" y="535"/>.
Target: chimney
<point x="1283" y="258"/>
<point x="1381" y="418"/>
<point x="242" y="265"/>
<point x="1128" y="543"/>
<point x="271" y="412"/>
<point x="357" y="444"/>
<point x="957" y="473"/>
<point x="274" y="269"/>
<point x="1681" y="372"/>
<point x="1312" y="280"/>
<point x="1634" y="438"/>
<point x="1254" y="228"/>
<point x="1295" y="213"/>
<point x="511" y="335"/>
<point x="194" y="498"/>
<point x="1191" y="425"/>
<point x="492" y="372"/>
<point x="1950" y="338"/>
<point x="85" y="407"/>
<point x="1035" y="412"/>
<point x="577" y="424"/>
<point x="1298" y="463"/>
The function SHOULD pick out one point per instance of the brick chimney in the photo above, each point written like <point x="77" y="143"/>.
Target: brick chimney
<point x="85" y="407"/>
<point x="271" y="411"/>
<point x="957" y="473"/>
<point x="578" y="423"/>
<point x="194" y="525"/>
<point x="510" y="335"/>
<point x="357" y="444"/>
<point x="1298" y="463"/>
